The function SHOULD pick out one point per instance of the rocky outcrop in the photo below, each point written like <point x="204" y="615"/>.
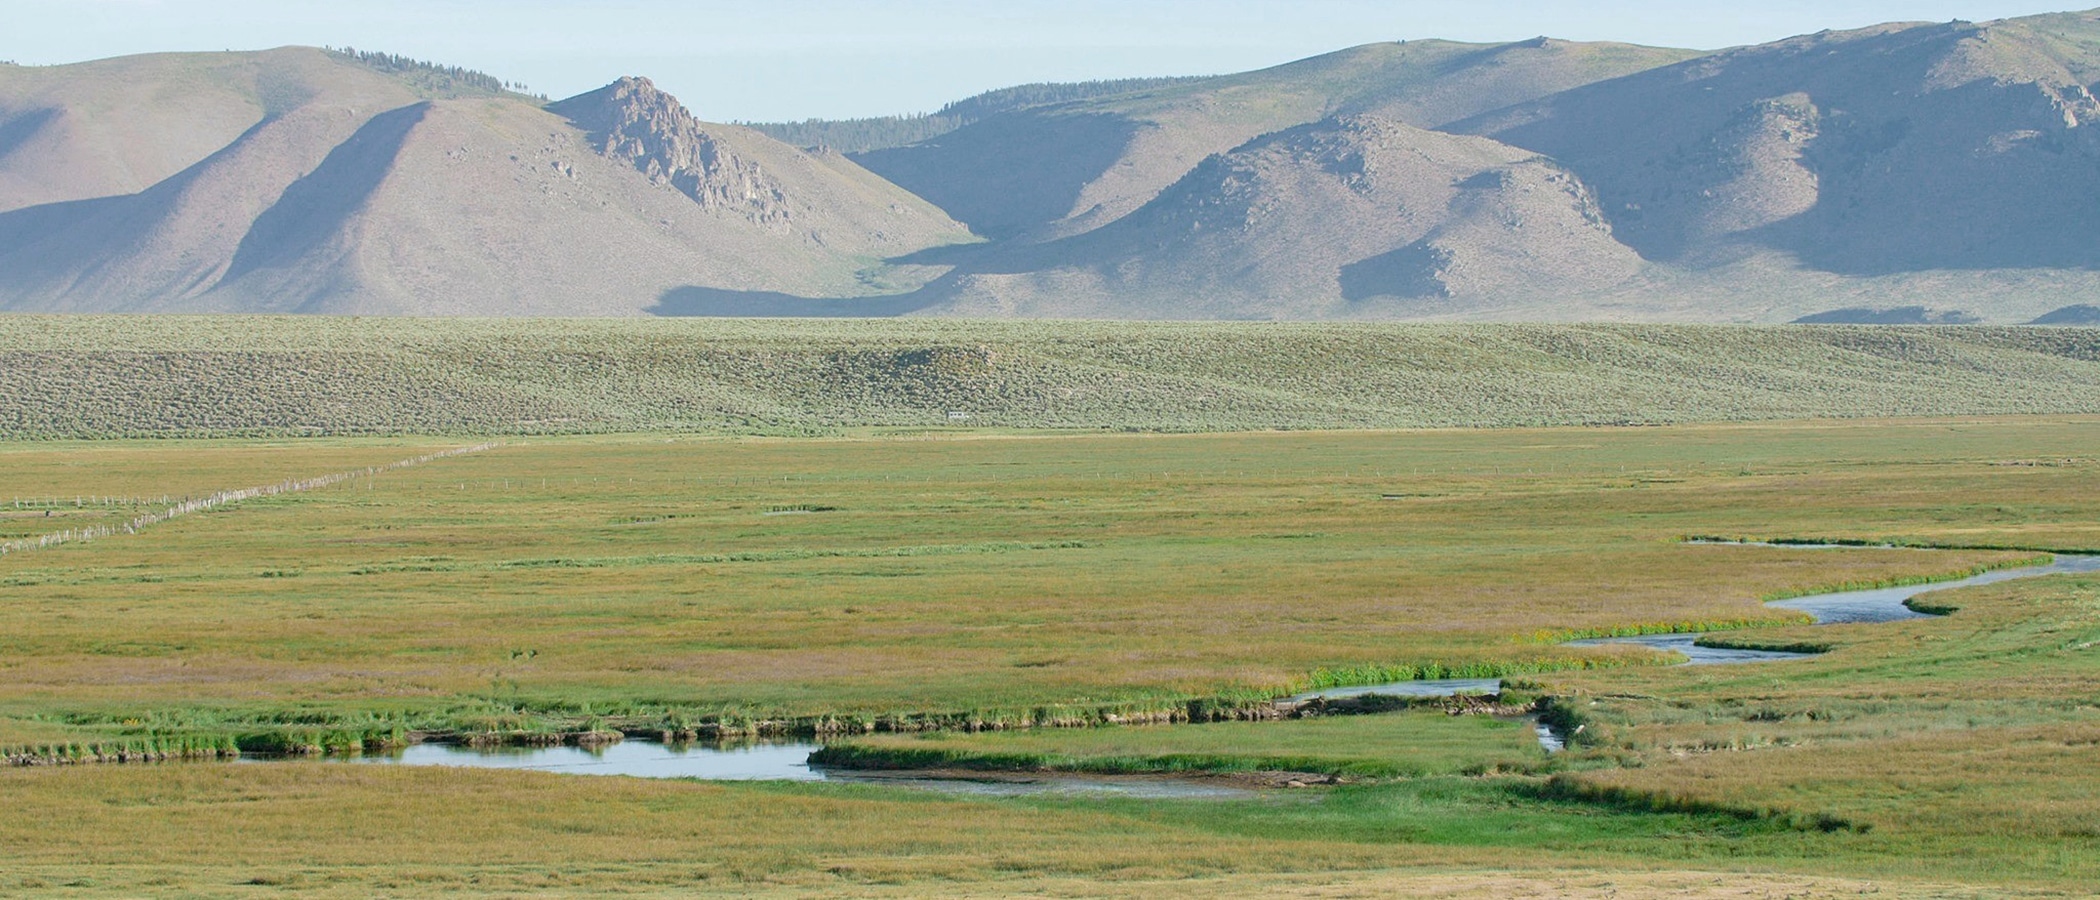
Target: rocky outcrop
<point x="633" y="121"/>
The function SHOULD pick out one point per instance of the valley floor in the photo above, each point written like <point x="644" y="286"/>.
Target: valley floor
<point x="655" y="582"/>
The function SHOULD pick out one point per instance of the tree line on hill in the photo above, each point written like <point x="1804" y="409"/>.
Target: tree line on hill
<point x="879" y="132"/>
<point x="433" y="75"/>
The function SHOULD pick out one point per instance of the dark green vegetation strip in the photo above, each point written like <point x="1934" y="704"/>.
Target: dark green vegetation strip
<point x="1568" y="787"/>
<point x="1414" y="741"/>
<point x="851" y="756"/>
<point x="1508" y="813"/>
<point x="98" y="377"/>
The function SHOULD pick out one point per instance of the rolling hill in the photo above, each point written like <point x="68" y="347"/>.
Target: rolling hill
<point x="300" y="180"/>
<point x="1862" y="153"/>
<point x="1351" y="217"/>
<point x="1060" y="169"/>
<point x="1922" y="173"/>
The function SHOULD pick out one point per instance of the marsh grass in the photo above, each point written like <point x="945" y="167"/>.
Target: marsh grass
<point x="404" y="831"/>
<point x="960" y="583"/>
<point x="132" y="750"/>
<point x="171" y="510"/>
<point x="1638" y="629"/>
<point x="1953" y="749"/>
<point x="1386" y="745"/>
<point x="1962" y="738"/>
<point x="1571" y="787"/>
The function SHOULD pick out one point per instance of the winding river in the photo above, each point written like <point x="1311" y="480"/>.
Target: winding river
<point x="789" y="760"/>
<point x="1837" y="608"/>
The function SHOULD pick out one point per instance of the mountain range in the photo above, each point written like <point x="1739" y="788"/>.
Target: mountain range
<point x="300" y="180"/>
<point x="1921" y="173"/>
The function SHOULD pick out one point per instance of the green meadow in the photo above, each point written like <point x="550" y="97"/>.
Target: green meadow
<point x="978" y="599"/>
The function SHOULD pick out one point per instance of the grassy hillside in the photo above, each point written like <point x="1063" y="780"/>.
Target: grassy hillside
<point x="113" y="376"/>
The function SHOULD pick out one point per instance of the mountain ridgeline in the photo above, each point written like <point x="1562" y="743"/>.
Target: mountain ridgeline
<point x="884" y="132"/>
<point x="1919" y="173"/>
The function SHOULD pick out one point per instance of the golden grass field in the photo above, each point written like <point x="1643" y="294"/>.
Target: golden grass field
<point x="621" y="581"/>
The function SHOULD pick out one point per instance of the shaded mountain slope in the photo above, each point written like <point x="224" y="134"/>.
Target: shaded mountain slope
<point x="1057" y="170"/>
<point x="75" y="132"/>
<point x="350" y="190"/>
<point x="1351" y="216"/>
<point x="1883" y="150"/>
<point x="118" y="126"/>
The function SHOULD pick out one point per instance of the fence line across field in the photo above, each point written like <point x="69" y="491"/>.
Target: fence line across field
<point x="221" y="498"/>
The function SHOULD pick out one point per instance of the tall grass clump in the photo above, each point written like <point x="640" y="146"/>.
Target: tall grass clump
<point x="1382" y="673"/>
<point x="158" y="748"/>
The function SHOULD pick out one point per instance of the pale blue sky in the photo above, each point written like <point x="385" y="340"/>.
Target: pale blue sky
<point x="758" y="60"/>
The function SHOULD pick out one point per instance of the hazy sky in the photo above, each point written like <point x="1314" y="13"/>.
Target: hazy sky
<point x="775" y="59"/>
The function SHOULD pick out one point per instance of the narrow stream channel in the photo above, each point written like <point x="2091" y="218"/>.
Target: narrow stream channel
<point x="1837" y="608"/>
<point x="1871" y="606"/>
<point x="773" y="761"/>
<point x="789" y="760"/>
<point x="1446" y="688"/>
<point x="1695" y="655"/>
